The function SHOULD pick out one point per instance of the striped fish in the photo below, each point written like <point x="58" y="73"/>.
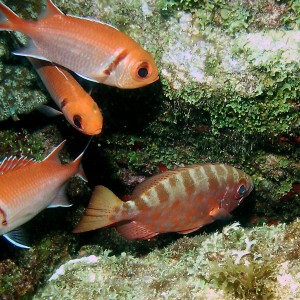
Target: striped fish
<point x="180" y="201"/>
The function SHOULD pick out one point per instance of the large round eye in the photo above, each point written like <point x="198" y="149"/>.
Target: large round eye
<point x="241" y="190"/>
<point x="143" y="70"/>
<point x="77" y="121"/>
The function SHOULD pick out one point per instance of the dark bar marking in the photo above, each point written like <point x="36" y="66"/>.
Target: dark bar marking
<point x="115" y="62"/>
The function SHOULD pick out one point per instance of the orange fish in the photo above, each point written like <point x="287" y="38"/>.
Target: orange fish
<point x="78" y="107"/>
<point x="94" y="50"/>
<point x="180" y="201"/>
<point x="28" y="186"/>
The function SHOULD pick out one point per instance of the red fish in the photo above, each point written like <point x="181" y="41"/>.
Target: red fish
<point x="94" y="50"/>
<point x="78" y="107"/>
<point x="27" y="187"/>
<point x="180" y="201"/>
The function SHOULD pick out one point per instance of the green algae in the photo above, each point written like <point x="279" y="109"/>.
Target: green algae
<point x="19" y="278"/>
<point x="19" y="92"/>
<point x="235" y="263"/>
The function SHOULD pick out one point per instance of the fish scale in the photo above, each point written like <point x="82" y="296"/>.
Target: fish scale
<point x="182" y="200"/>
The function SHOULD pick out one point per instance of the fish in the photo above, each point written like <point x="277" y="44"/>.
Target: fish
<point x="78" y="107"/>
<point x="181" y="200"/>
<point x="28" y="186"/>
<point x="94" y="50"/>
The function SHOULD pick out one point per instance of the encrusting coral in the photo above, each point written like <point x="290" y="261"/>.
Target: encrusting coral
<point x="235" y="263"/>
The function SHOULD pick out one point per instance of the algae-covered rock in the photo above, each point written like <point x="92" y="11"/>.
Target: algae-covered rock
<point x="19" y="91"/>
<point x="235" y="263"/>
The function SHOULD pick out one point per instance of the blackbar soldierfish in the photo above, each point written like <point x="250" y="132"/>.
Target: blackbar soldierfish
<point x="94" y="50"/>
<point x="78" y="107"/>
<point x="180" y="201"/>
<point x="27" y="187"/>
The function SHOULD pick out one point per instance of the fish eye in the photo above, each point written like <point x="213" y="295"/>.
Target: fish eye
<point x="143" y="70"/>
<point x="241" y="190"/>
<point x="77" y="121"/>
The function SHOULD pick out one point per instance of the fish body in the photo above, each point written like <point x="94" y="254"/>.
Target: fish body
<point x="94" y="50"/>
<point x="78" y="107"/>
<point x="27" y="187"/>
<point x="180" y="201"/>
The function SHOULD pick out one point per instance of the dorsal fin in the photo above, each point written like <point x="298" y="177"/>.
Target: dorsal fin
<point x="14" y="163"/>
<point x="54" y="153"/>
<point x="150" y="182"/>
<point x="51" y="10"/>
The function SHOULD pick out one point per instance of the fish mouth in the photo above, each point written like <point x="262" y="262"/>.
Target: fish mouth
<point x="94" y="132"/>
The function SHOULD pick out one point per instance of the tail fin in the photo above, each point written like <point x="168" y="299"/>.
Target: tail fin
<point x="8" y="19"/>
<point x="101" y="210"/>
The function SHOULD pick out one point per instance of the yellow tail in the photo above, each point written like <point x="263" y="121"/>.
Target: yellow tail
<point x="100" y="211"/>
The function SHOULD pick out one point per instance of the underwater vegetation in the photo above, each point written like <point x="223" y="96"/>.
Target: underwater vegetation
<point x="222" y="97"/>
<point x="235" y="263"/>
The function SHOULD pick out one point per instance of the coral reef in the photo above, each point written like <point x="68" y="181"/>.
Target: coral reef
<point x="236" y="263"/>
<point x="19" y="92"/>
<point x="222" y="97"/>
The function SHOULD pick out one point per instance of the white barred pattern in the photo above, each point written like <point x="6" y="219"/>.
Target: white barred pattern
<point x="235" y="174"/>
<point x="215" y="172"/>
<point x="225" y="170"/>
<point x="204" y="177"/>
<point x="180" y="190"/>
<point x="151" y="199"/>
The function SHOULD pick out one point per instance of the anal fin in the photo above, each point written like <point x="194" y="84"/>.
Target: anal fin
<point x="134" y="230"/>
<point x="189" y="230"/>
<point x="18" y="237"/>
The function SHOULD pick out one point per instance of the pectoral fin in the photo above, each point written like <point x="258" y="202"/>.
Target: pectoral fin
<point x="49" y="111"/>
<point x="220" y="214"/>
